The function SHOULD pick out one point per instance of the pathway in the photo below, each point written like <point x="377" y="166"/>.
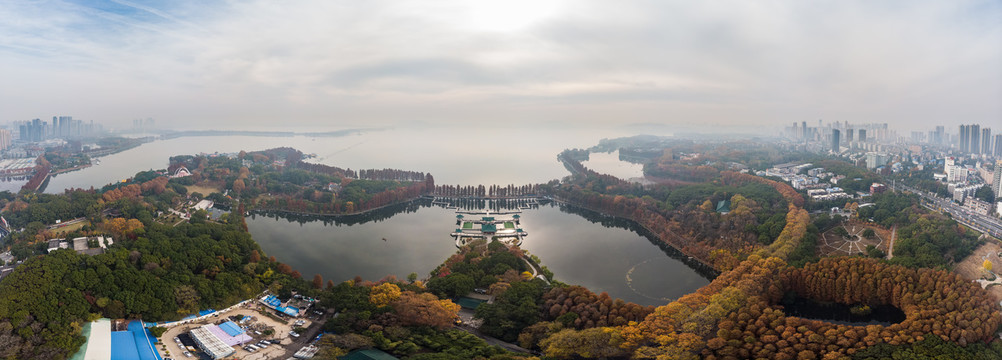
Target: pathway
<point x="494" y="341"/>
<point x="535" y="273"/>
<point x="890" y="247"/>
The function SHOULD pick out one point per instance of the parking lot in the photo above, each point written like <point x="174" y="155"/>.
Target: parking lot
<point x="280" y="344"/>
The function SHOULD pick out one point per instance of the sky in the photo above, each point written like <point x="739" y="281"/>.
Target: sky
<point x="330" y="64"/>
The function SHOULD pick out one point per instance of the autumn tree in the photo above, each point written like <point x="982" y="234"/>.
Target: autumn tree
<point x="238" y="186"/>
<point x="384" y="294"/>
<point x="424" y="309"/>
<point x="590" y="343"/>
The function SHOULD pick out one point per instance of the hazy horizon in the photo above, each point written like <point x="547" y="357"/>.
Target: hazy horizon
<point x="740" y="66"/>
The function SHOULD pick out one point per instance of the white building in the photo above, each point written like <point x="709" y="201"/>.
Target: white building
<point x="875" y="160"/>
<point x="954" y="173"/>
<point x="997" y="181"/>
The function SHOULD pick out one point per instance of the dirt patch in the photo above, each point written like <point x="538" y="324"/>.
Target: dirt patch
<point x="972" y="268"/>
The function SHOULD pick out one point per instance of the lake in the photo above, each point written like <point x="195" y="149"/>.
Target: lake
<point x="453" y="156"/>
<point x="579" y="246"/>
<point x="609" y="164"/>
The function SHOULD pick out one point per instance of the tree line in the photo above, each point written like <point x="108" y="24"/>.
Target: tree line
<point x="483" y="191"/>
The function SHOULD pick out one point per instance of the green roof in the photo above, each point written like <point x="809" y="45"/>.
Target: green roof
<point x="489" y="228"/>
<point x="368" y="354"/>
<point x="516" y="216"/>
<point x="468" y="303"/>
<point x="488" y="218"/>
<point x="724" y="206"/>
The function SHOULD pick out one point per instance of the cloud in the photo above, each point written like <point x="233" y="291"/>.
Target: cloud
<point x="345" y="63"/>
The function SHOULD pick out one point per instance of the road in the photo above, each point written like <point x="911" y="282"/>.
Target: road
<point x="985" y="224"/>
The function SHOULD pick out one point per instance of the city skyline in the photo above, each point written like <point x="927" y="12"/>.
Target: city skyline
<point x="347" y="64"/>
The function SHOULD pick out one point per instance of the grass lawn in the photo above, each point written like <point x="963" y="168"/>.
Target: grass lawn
<point x="202" y="189"/>
<point x="70" y="228"/>
<point x="509" y="225"/>
<point x="467" y="225"/>
<point x="170" y="219"/>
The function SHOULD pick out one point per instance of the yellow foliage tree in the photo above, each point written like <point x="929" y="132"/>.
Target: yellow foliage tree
<point x="589" y="343"/>
<point x="707" y="206"/>
<point x="384" y="294"/>
<point x="988" y="265"/>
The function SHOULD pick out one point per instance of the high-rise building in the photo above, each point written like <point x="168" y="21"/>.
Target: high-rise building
<point x="875" y="160"/>
<point x="835" y="138"/>
<point x="862" y="135"/>
<point x="848" y="135"/>
<point x="803" y="125"/>
<point x="986" y="141"/>
<point x="975" y="142"/>
<point x="998" y="147"/>
<point x="5" y="139"/>
<point x="938" y="136"/>
<point x="964" y="139"/>
<point x="997" y="181"/>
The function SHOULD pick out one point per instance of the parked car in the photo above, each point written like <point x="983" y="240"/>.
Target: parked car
<point x="187" y="354"/>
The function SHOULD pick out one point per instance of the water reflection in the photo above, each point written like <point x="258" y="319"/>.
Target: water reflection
<point x="580" y="246"/>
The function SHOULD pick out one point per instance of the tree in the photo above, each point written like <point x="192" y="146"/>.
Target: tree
<point x="987" y="265"/>
<point x="157" y="331"/>
<point x="452" y="285"/>
<point x="869" y="234"/>
<point x="187" y="299"/>
<point x="985" y="193"/>
<point x="348" y="341"/>
<point x="199" y="216"/>
<point x="512" y="311"/>
<point x="238" y="186"/>
<point x="384" y="294"/>
<point x="318" y="281"/>
<point x="589" y="343"/>
<point x="425" y="309"/>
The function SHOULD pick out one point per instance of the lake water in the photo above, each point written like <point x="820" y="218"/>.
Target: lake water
<point x="609" y="164"/>
<point x="453" y="156"/>
<point x="580" y="247"/>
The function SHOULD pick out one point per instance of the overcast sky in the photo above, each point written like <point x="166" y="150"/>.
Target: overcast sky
<point x="337" y="64"/>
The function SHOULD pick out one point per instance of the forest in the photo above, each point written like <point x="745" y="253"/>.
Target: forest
<point x="279" y="180"/>
<point x="414" y="319"/>
<point x="740" y="315"/>
<point x="154" y="272"/>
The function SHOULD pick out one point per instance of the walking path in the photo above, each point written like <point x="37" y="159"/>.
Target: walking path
<point x="535" y="273"/>
<point x="890" y="247"/>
